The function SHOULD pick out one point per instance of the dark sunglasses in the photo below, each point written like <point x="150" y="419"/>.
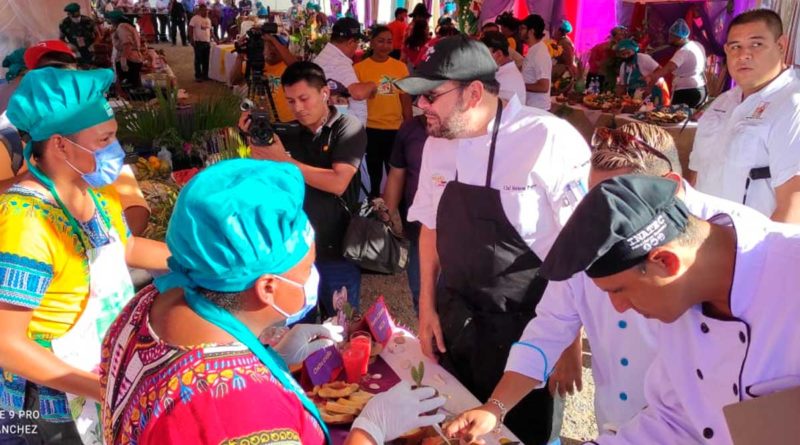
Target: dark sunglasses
<point x="430" y="98"/>
<point x="619" y="141"/>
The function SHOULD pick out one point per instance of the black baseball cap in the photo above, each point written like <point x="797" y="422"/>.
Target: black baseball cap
<point x="347" y="27"/>
<point x="615" y="227"/>
<point x="452" y="58"/>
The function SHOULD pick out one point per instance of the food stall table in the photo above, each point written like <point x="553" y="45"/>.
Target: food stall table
<point x="221" y="63"/>
<point x="402" y="356"/>
<point x="582" y="118"/>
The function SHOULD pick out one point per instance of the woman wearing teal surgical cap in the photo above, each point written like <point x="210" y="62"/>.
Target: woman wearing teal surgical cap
<point x="688" y="67"/>
<point x="64" y="254"/>
<point x="184" y="363"/>
<point x="565" y="61"/>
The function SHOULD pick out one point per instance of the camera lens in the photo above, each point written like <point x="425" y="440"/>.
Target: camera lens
<point x="247" y="105"/>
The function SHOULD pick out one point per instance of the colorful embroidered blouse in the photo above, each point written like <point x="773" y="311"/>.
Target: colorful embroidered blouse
<point x="156" y="393"/>
<point x="44" y="267"/>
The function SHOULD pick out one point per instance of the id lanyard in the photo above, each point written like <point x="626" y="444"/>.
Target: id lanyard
<point x="225" y="320"/>
<point x="47" y="182"/>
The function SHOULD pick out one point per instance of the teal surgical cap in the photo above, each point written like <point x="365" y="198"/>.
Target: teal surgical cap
<point x="679" y="29"/>
<point x="235" y="222"/>
<point x="627" y="44"/>
<point x="566" y="26"/>
<point x="52" y="101"/>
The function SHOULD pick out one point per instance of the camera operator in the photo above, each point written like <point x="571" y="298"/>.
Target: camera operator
<point x="328" y="148"/>
<point x="277" y="57"/>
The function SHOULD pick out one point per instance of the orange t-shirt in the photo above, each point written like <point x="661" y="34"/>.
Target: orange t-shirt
<point x="398" y="30"/>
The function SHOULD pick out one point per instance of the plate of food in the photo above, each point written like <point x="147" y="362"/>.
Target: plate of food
<point x="339" y="403"/>
<point x="604" y="101"/>
<point x="665" y="116"/>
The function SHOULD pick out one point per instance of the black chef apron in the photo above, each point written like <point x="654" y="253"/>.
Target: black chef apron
<point x="487" y="294"/>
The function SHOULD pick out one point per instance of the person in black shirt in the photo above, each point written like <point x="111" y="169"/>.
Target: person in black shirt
<point x="328" y="148"/>
<point x="177" y="16"/>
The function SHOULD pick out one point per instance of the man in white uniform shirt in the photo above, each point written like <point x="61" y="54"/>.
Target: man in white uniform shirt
<point x="497" y="182"/>
<point x="623" y="345"/>
<point x="728" y="308"/>
<point x="747" y="147"/>
<point x="508" y="75"/>
<point x="688" y="66"/>
<point x="538" y="65"/>
<point x="336" y="59"/>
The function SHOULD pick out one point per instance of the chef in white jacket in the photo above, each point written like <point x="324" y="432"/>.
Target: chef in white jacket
<point x="623" y="345"/>
<point x="728" y="307"/>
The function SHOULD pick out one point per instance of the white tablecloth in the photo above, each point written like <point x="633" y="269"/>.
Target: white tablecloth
<point x="221" y="62"/>
<point x="401" y="357"/>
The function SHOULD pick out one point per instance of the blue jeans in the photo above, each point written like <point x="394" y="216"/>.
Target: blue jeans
<point x="333" y="275"/>
<point x="413" y="266"/>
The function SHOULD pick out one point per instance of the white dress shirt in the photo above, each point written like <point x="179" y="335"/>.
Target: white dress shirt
<point x="339" y="67"/>
<point x="511" y="82"/>
<point x="537" y="65"/>
<point x="705" y="363"/>
<point x="735" y="136"/>
<point x="623" y="344"/>
<point x="540" y="168"/>
<point x="690" y="60"/>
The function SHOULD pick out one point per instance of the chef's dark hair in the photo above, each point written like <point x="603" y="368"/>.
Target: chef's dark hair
<point x="303" y="70"/>
<point x="400" y="11"/>
<point x="496" y="41"/>
<point x="535" y="23"/>
<point x="769" y="17"/>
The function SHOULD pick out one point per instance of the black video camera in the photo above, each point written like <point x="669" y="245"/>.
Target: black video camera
<point x="253" y="45"/>
<point x="262" y="129"/>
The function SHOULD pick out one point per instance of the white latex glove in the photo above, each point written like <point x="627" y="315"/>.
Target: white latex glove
<point x="305" y="339"/>
<point x="123" y="63"/>
<point x="389" y="415"/>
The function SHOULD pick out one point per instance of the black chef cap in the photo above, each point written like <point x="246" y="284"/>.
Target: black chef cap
<point x="615" y="226"/>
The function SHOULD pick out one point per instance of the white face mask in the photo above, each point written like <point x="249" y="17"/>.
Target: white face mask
<point x="342" y="108"/>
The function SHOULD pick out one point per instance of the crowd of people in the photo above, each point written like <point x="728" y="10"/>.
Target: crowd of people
<point x="521" y="233"/>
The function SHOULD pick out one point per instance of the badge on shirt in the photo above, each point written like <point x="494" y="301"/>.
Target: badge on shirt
<point x="759" y="111"/>
<point x="439" y="180"/>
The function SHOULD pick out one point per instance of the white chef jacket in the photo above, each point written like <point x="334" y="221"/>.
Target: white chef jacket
<point x="511" y="82"/>
<point x="339" y="67"/>
<point x="704" y="363"/>
<point x="623" y="344"/>
<point x="647" y="65"/>
<point x="734" y="136"/>
<point x="690" y="60"/>
<point x="541" y="166"/>
<point x="536" y="66"/>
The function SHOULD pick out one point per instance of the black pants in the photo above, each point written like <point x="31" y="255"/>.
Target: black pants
<point x="379" y="149"/>
<point x="201" y="52"/>
<point x="693" y="97"/>
<point x="173" y="28"/>
<point x="131" y="78"/>
<point x="30" y="431"/>
<point x="163" y="25"/>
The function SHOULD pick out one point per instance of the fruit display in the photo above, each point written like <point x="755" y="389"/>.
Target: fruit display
<point x="151" y="168"/>
<point x="676" y="114"/>
<point x="604" y="101"/>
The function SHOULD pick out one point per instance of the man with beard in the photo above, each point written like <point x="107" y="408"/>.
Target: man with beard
<point x="498" y="180"/>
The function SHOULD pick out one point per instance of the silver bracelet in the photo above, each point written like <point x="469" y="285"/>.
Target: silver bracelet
<point x="503" y="413"/>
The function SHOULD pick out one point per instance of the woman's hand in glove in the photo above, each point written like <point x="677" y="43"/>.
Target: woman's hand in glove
<point x="399" y="410"/>
<point x="305" y="339"/>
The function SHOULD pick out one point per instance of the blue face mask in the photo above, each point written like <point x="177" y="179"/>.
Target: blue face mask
<point x="108" y="163"/>
<point x="310" y="290"/>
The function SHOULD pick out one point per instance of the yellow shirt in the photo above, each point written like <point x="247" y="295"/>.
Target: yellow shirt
<point x="384" y="111"/>
<point x="43" y="265"/>
<point x="273" y="74"/>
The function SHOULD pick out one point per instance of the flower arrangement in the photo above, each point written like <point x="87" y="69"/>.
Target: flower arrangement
<point x="469" y="11"/>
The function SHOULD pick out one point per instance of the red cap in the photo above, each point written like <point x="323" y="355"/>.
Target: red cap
<point x="35" y="52"/>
